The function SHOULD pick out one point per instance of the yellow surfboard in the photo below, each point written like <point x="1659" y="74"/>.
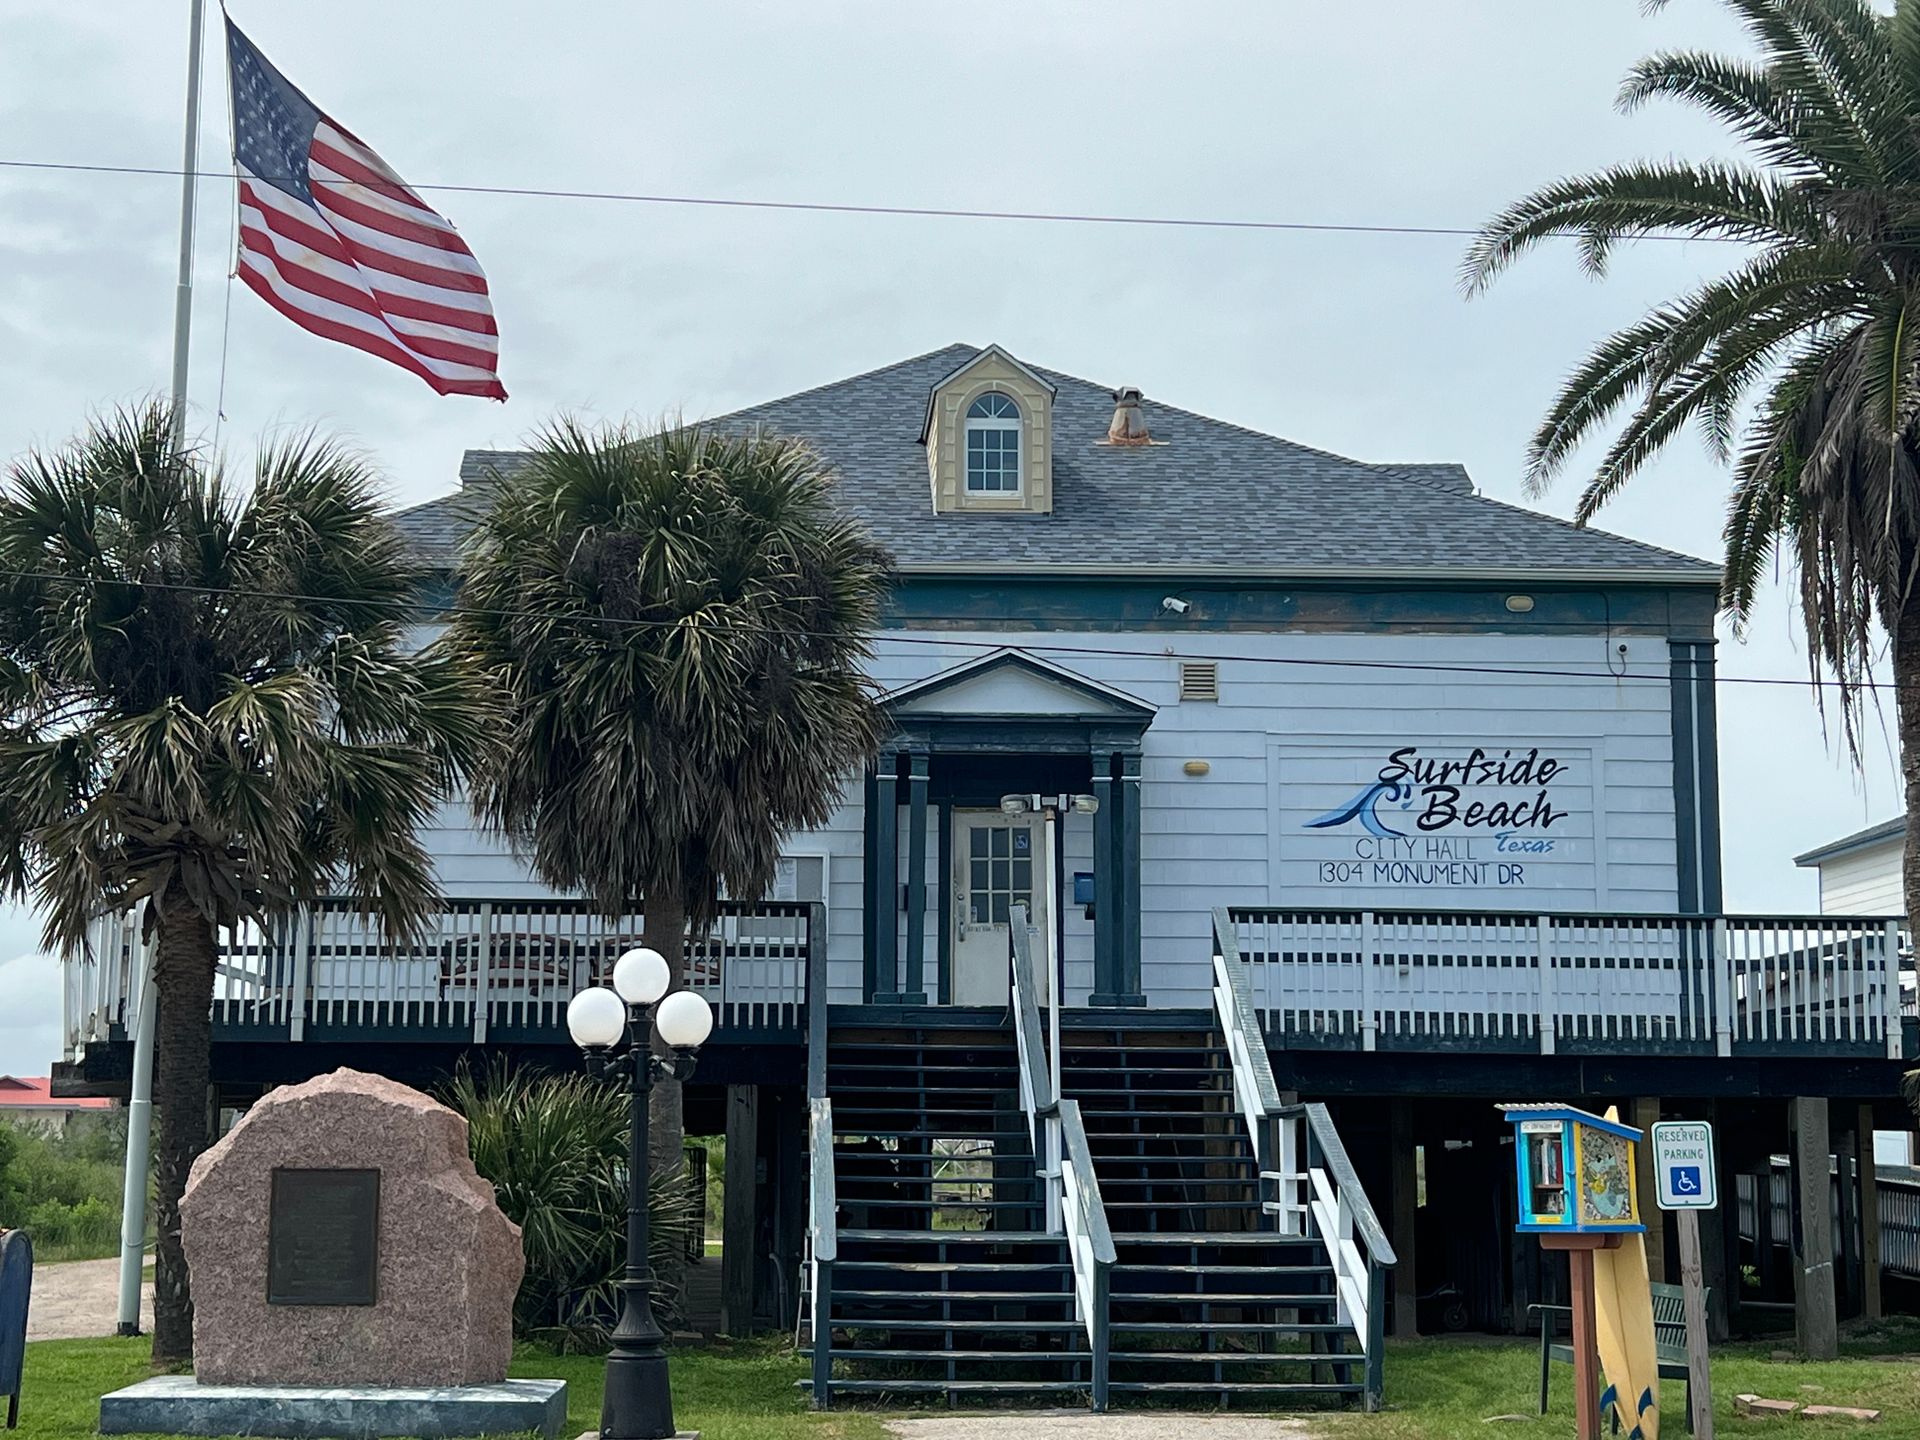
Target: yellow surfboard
<point x="1623" y="1313"/>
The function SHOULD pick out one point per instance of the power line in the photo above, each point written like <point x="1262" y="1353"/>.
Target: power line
<point x="1190" y="222"/>
<point x="431" y="610"/>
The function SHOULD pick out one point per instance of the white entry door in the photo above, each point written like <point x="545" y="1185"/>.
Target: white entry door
<point x="998" y="863"/>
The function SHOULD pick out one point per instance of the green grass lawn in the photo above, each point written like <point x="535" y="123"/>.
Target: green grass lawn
<point x="1442" y="1389"/>
<point x="727" y="1392"/>
<point x="1436" y="1390"/>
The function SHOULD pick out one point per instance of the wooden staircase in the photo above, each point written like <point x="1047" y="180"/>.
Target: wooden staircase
<point x="1206" y="1298"/>
<point x="944" y="1281"/>
<point x="1158" y="1223"/>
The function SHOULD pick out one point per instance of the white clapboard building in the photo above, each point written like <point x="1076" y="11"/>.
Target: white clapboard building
<point x="1379" y="801"/>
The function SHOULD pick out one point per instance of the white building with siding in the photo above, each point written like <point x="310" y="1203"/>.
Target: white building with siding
<point x="1860" y="873"/>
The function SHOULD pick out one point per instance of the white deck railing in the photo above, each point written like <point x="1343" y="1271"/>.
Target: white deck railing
<point x="1707" y="984"/>
<point x="476" y="968"/>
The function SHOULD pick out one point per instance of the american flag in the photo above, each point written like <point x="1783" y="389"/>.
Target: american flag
<point x="335" y="241"/>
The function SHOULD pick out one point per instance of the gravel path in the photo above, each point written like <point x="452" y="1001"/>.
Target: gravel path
<point x="1079" y="1425"/>
<point x="79" y="1300"/>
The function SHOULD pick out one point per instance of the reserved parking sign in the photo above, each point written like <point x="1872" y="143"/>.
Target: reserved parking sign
<point x="1683" y="1165"/>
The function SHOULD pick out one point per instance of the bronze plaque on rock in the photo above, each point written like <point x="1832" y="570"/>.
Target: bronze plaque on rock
<point x="323" y="1237"/>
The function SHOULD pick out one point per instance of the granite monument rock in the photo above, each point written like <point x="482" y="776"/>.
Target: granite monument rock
<point x="339" y="1235"/>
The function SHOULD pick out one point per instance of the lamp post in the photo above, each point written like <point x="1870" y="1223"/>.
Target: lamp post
<point x="637" y="1403"/>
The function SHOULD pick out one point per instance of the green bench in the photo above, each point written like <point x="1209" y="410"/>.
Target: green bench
<point x="1669" y="1342"/>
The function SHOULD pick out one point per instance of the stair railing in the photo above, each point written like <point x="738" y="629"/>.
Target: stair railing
<point x="1036" y="1087"/>
<point x="1089" y="1242"/>
<point x="1283" y="1190"/>
<point x="823" y="1209"/>
<point x="1063" y="1159"/>
<point x="1317" y="1193"/>
<point x="823" y="1244"/>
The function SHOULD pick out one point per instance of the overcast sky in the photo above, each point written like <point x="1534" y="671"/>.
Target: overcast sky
<point x="1408" y="114"/>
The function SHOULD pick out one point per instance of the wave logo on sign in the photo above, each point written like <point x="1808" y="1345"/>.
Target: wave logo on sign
<point x="1365" y="807"/>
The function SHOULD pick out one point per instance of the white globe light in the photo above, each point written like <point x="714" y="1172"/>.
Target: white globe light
<point x="684" y="1020"/>
<point x="641" y="976"/>
<point x="595" y="1018"/>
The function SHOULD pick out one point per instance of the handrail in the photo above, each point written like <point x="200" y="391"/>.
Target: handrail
<point x="1238" y="1013"/>
<point x="1341" y="1213"/>
<point x="1316" y="1192"/>
<point x="1063" y="1158"/>
<point x="1036" y="1089"/>
<point x="823" y="1208"/>
<point x="1721" y="984"/>
<point x="1089" y="1241"/>
<point x="823" y="1243"/>
<point x="1333" y="1152"/>
<point x="1783" y="919"/>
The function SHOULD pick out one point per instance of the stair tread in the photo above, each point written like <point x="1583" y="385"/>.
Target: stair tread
<point x="958" y="1267"/>
<point x="977" y="1386"/>
<point x="1148" y="1268"/>
<point x="912" y="1322"/>
<point x="1251" y="1327"/>
<point x="856" y="1352"/>
<point x="1250" y="1387"/>
<point x="1235" y="1297"/>
<point x="1051" y="1296"/>
<point x="1008" y="1237"/>
<point x="1229" y="1357"/>
<point x="1211" y="1237"/>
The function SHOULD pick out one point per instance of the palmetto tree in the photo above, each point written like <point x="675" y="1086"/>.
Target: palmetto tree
<point x="206" y="705"/>
<point x="1800" y="365"/>
<point x="678" y="622"/>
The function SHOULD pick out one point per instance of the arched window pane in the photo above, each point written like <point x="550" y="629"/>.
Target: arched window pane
<point x="993" y="445"/>
<point x="993" y="406"/>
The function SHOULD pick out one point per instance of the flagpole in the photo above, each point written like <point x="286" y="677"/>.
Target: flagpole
<point x="183" y="291"/>
<point x="133" y="1219"/>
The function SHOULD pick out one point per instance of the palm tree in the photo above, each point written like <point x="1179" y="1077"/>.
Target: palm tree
<point x="677" y="621"/>
<point x="1800" y="366"/>
<point x="206" y="705"/>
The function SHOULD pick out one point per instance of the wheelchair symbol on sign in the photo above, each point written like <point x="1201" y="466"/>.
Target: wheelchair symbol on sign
<point x="1686" y="1180"/>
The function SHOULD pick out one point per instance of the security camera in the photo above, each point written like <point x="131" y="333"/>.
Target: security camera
<point x="1176" y="605"/>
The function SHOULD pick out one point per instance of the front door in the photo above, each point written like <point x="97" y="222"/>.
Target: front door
<point x="997" y="860"/>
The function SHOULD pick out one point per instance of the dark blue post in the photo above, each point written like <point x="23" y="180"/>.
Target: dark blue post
<point x="913" y="984"/>
<point x="1128" y="796"/>
<point x="883" y="906"/>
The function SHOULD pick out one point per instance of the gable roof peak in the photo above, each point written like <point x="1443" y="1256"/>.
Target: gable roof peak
<point x="991" y="352"/>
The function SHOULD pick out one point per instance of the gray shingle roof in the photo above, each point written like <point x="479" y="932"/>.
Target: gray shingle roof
<point x="1859" y="840"/>
<point x="1212" y="497"/>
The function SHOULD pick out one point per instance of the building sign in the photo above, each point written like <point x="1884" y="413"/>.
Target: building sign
<point x="1401" y="818"/>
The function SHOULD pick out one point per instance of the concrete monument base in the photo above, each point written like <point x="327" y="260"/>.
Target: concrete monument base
<point x="179" y="1405"/>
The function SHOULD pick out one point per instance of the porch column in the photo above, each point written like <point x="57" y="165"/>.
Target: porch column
<point x="740" y="1220"/>
<point x="883" y="905"/>
<point x="914" y="982"/>
<point x="1848" y="1279"/>
<point x="1871" y="1303"/>
<point x="1404" y="1161"/>
<point x="1645" y="1114"/>
<point x="1129" y="958"/>
<point x="1106" y="889"/>
<point x="1815" y="1324"/>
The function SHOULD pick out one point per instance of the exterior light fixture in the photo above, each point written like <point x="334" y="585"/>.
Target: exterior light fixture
<point x="1519" y="604"/>
<point x="637" y="1403"/>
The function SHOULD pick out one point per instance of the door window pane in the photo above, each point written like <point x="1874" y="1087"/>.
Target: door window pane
<point x="999" y="872"/>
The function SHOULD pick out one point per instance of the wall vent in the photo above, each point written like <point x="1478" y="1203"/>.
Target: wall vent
<point x="1199" y="680"/>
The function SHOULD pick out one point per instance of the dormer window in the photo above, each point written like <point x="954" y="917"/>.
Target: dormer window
<point x="989" y="438"/>
<point x="993" y="445"/>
